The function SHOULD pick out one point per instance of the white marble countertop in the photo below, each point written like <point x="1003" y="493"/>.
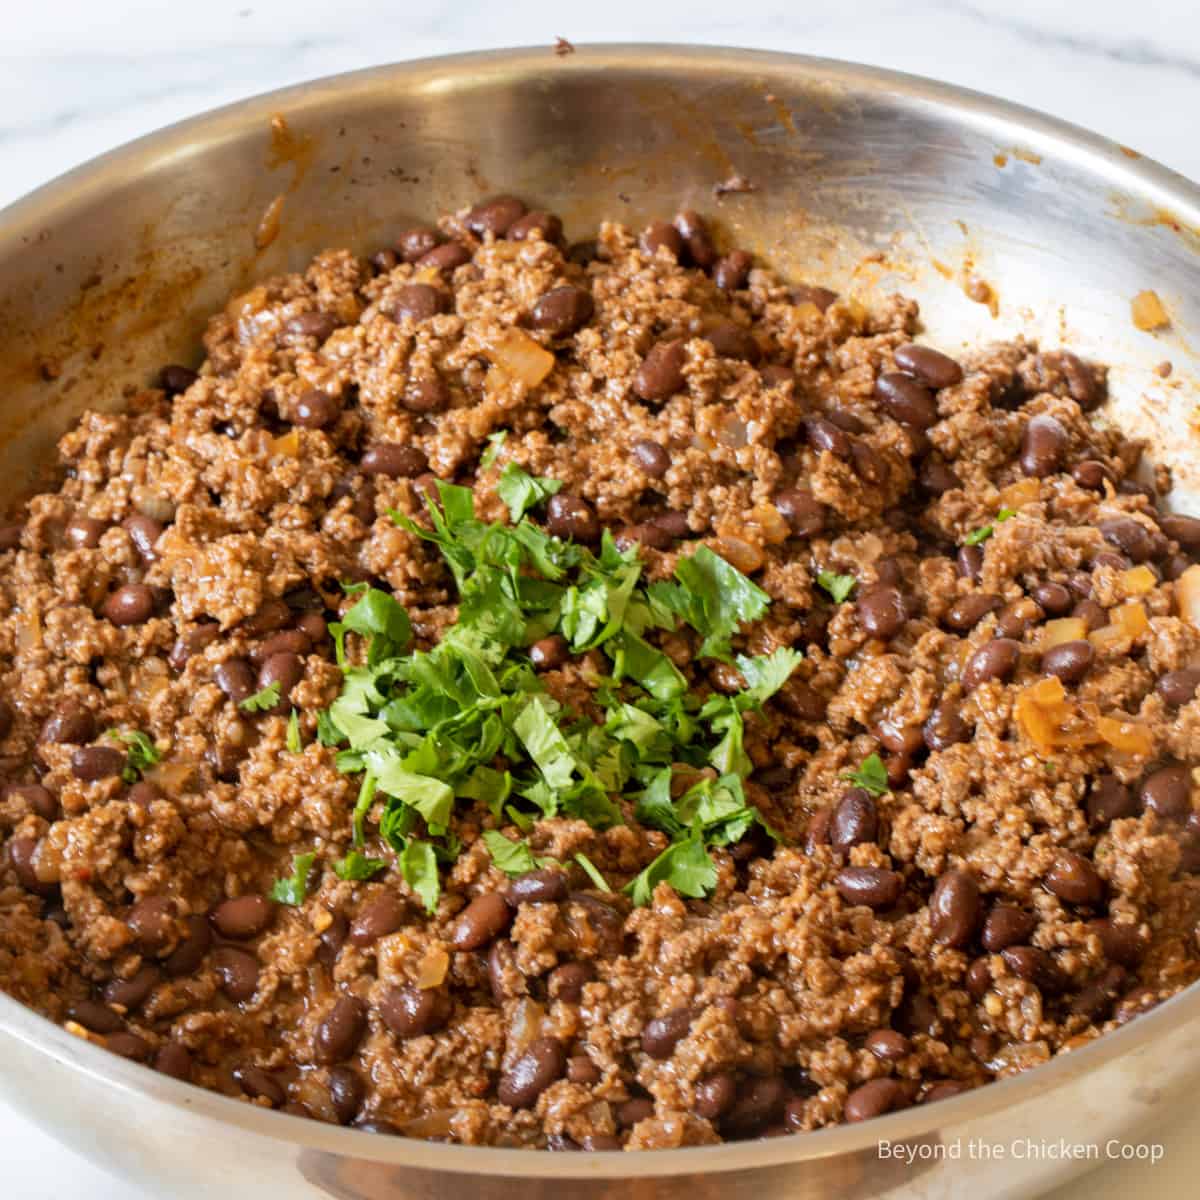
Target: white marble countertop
<point x="77" y="78"/>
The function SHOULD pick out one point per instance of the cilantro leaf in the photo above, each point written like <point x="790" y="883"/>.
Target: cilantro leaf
<point x="521" y="491"/>
<point x="592" y="872"/>
<point x="545" y="744"/>
<point x="513" y="858"/>
<point x="357" y="866"/>
<point x="838" y="586"/>
<point x="766" y="674"/>
<point x="980" y="535"/>
<point x="141" y="753"/>
<point x="655" y="808"/>
<point x="418" y="866"/>
<point x="685" y="865"/>
<point x="293" y="889"/>
<point x="294" y="744"/>
<point x="263" y="700"/>
<point x="378" y="616"/>
<point x="871" y="776"/>
<point x="494" y="442"/>
<point x="715" y="598"/>
<point x="432" y="798"/>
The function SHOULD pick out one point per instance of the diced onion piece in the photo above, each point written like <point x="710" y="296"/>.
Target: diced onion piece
<point x="1137" y="581"/>
<point x="171" y="776"/>
<point x="268" y="225"/>
<point x="1065" y="629"/>
<point x="430" y="1125"/>
<point x="769" y="519"/>
<point x="809" y="311"/>
<point x="732" y="433"/>
<point x="520" y="357"/>
<point x="1131" y="618"/>
<point x="1048" y="718"/>
<point x="1109" y="637"/>
<point x="526" y="1024"/>
<point x="287" y="445"/>
<point x="738" y="553"/>
<point x="1024" y="491"/>
<point x="431" y="971"/>
<point x="428" y="275"/>
<point x="1129" y="737"/>
<point x="1148" y="311"/>
<point x="29" y="630"/>
<point x="1187" y="591"/>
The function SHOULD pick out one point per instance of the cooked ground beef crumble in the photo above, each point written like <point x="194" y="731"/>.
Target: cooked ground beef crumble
<point x="984" y="597"/>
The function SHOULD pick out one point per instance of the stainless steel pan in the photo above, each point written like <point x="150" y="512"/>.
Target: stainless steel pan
<point x="860" y="177"/>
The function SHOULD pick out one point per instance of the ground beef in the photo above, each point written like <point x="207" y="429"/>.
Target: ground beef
<point x="1026" y="881"/>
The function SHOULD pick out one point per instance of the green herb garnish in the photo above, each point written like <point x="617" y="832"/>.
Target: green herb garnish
<point x="262" y="700"/>
<point x="294" y="744"/>
<point x="592" y="871"/>
<point x="522" y="491"/>
<point x="977" y="536"/>
<point x="418" y="865"/>
<point x="294" y="889"/>
<point x="513" y="858"/>
<point x="141" y="753"/>
<point x="838" y="586"/>
<point x="685" y="865"/>
<point x="871" y="776"/>
<point x="494" y="441"/>
<point x="356" y="866"/>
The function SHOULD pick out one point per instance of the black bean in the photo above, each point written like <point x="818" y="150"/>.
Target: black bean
<point x="243" y="917"/>
<point x="313" y="324"/>
<point x="10" y="536"/>
<point x="651" y="457"/>
<point x="714" y="1095"/>
<point x="316" y="409"/>
<point x="855" y="820"/>
<point x="1096" y="1000"/>
<point x="936" y="478"/>
<point x="661" y="372"/>
<point x="543" y="1061"/>
<point x="174" y="378"/>
<point x="446" y="257"/>
<point x="486" y="917"/>
<point x="731" y="340"/>
<point x="1167" y="792"/>
<point x="696" y="238"/>
<point x="418" y="302"/>
<point x="882" y="611"/>
<point x="341" y="1030"/>
<point x="384" y="261"/>
<point x="1131" y="537"/>
<point x="1121" y="942"/>
<point x="144" y="533"/>
<point x="237" y="971"/>
<point x="660" y="235"/>
<point x="775" y="375"/>
<point x="731" y="272"/>
<point x="39" y="799"/>
<point x="662" y="1034"/>
<point x="996" y="659"/>
<point x="867" y="464"/>
<point x="192" y="643"/>
<point x="190" y="952"/>
<point x="874" y="1098"/>
<point x="1092" y="474"/>
<point x="806" y="293"/>
<point x="759" y="1101"/>
<point x="1069" y="661"/>
<point x="906" y="400"/>
<point x="411" y="1012"/>
<point x="131" y="604"/>
<point x="414" y="244"/>
<point x="380" y="916"/>
<point x="583" y="253"/>
<point x="285" y="669"/>
<point x="943" y="1089"/>
<point x="582" y="1070"/>
<point x="965" y="613"/>
<point x="978" y="978"/>
<point x="545" y="886"/>
<point x="566" y="982"/>
<point x="1073" y="878"/>
<point x="494" y="216"/>
<point x="1179" y="687"/>
<point x="1182" y="529"/>
<point x="945" y="726"/>
<point x="151" y="920"/>
<point x="346" y="1093"/>
<point x="174" y="1060"/>
<point x="235" y="678"/>
<point x="1034" y="966"/>
<point x="69" y="724"/>
<point x="260" y="1085"/>
<point x="569" y="516"/>
<point x="129" y="1045"/>
<point x="1053" y="599"/>
<point x="930" y="366"/>
<point x="970" y="562"/>
<point x="632" y="1111"/>
<point x="562" y="310"/>
<point x="1043" y="446"/>
<point x="394" y="461"/>
<point x="874" y="887"/>
<point x="91" y="763"/>
<point x="130" y="994"/>
<point x="293" y="641"/>
<point x="1006" y="926"/>
<point x="1109" y="800"/>
<point x="522" y="228"/>
<point x="888" y="1045"/>
<point x="1092" y="615"/>
<point x="954" y="908"/>
<point x="823" y="435"/>
<point x="84" y="533"/>
<point x="95" y="1017"/>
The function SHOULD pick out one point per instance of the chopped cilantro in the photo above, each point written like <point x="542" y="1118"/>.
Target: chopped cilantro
<point x="494" y="442"/>
<point x="685" y="865"/>
<point x="141" y="753"/>
<point x="263" y="700"/>
<point x="977" y="536"/>
<point x="418" y="865"/>
<point x="513" y="858"/>
<point x="592" y="871"/>
<point x="838" y="586"/>
<point x="293" y="890"/>
<point x="521" y="491"/>
<point x="294" y="743"/>
<point x="357" y="866"/>
<point x="871" y="776"/>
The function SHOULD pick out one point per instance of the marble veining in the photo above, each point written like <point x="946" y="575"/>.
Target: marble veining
<point x="78" y="78"/>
